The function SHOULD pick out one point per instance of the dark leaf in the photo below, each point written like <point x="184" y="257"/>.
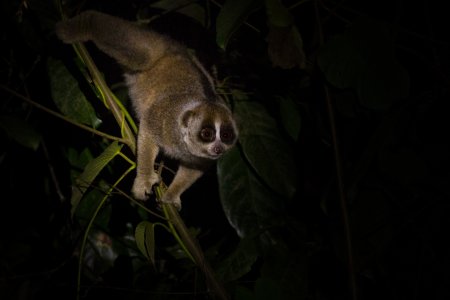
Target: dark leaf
<point x="231" y="16"/>
<point x="247" y="203"/>
<point x="239" y="263"/>
<point x="67" y="95"/>
<point x="264" y="148"/>
<point x="186" y="7"/>
<point x="290" y="117"/>
<point x="285" y="42"/>
<point x="284" y="271"/>
<point x="363" y="59"/>
<point x="20" y="131"/>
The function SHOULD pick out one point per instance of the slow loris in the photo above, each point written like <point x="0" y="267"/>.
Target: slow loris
<point x="178" y="109"/>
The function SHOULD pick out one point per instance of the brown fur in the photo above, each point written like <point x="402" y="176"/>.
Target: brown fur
<point x="172" y="94"/>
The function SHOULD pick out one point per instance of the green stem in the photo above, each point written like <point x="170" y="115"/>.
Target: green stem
<point x="340" y="176"/>
<point x="61" y="116"/>
<point x="191" y="246"/>
<point x="109" y="97"/>
<point x="89" y="226"/>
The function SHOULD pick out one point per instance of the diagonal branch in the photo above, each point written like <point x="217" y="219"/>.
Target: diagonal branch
<point x="108" y="96"/>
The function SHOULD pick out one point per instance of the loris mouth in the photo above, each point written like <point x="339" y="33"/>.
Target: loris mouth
<point x="215" y="156"/>
<point x="216" y="151"/>
<point x="212" y="155"/>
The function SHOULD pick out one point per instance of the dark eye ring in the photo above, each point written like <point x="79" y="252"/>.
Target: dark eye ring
<point x="207" y="134"/>
<point x="226" y="136"/>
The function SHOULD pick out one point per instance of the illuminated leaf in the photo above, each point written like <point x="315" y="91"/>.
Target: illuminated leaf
<point x="67" y="95"/>
<point x="92" y="169"/>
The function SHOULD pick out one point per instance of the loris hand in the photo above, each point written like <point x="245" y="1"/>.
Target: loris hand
<point x="142" y="186"/>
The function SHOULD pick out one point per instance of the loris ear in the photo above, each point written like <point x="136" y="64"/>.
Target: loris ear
<point x="187" y="115"/>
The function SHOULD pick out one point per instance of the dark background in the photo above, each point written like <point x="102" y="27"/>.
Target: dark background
<point x="395" y="161"/>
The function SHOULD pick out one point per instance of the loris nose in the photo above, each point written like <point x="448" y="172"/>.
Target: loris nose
<point x="218" y="150"/>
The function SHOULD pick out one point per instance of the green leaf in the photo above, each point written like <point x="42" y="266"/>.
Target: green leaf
<point x="285" y="44"/>
<point x="91" y="200"/>
<point x="79" y="159"/>
<point x="267" y="289"/>
<point x="285" y="47"/>
<point x="249" y="206"/>
<point x="264" y="148"/>
<point x="91" y="171"/>
<point x="284" y="270"/>
<point x="243" y="293"/>
<point x="238" y="263"/>
<point x="278" y="14"/>
<point x="185" y="7"/>
<point x="363" y="59"/>
<point x="231" y="16"/>
<point x="145" y="239"/>
<point x="290" y="117"/>
<point x="67" y="95"/>
<point x="20" y="131"/>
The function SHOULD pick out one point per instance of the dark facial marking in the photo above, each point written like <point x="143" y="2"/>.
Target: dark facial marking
<point x="227" y="134"/>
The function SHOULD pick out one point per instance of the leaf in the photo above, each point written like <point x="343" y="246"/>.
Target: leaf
<point x="91" y="201"/>
<point x="231" y="16"/>
<point x="243" y="293"/>
<point x="264" y="148"/>
<point x="145" y="239"/>
<point x="290" y="117"/>
<point x="363" y="58"/>
<point x="249" y="206"/>
<point x="286" y="47"/>
<point x="277" y="14"/>
<point x="267" y="289"/>
<point x="67" y="95"/>
<point x="20" y="131"/>
<point x="91" y="171"/>
<point x="284" y="270"/>
<point x="238" y="263"/>
<point x="185" y="7"/>
<point x="79" y="159"/>
<point x="285" y="44"/>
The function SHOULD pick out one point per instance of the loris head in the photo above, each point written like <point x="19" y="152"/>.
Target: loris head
<point x="208" y="130"/>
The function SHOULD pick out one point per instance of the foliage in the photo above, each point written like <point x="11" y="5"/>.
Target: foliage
<point x="337" y="188"/>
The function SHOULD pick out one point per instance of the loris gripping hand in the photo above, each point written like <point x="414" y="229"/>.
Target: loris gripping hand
<point x="174" y="98"/>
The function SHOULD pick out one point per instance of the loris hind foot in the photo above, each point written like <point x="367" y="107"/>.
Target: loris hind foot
<point x="142" y="189"/>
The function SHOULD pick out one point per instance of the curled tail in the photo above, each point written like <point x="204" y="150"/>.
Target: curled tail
<point x="134" y="47"/>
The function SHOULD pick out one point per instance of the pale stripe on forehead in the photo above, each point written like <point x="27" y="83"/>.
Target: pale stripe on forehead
<point x="191" y="105"/>
<point x="217" y="127"/>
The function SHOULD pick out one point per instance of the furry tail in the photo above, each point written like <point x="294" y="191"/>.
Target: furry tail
<point x="134" y="47"/>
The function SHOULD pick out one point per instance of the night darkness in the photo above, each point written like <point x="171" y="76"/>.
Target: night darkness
<point x="301" y="76"/>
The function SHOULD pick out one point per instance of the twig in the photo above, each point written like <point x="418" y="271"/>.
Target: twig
<point x="127" y="134"/>
<point x="61" y="116"/>
<point x="194" y="249"/>
<point x="339" y="175"/>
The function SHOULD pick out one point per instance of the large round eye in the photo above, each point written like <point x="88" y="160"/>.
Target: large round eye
<point x="227" y="135"/>
<point x="207" y="134"/>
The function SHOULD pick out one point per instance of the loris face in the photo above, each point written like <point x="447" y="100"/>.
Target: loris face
<point x="209" y="130"/>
